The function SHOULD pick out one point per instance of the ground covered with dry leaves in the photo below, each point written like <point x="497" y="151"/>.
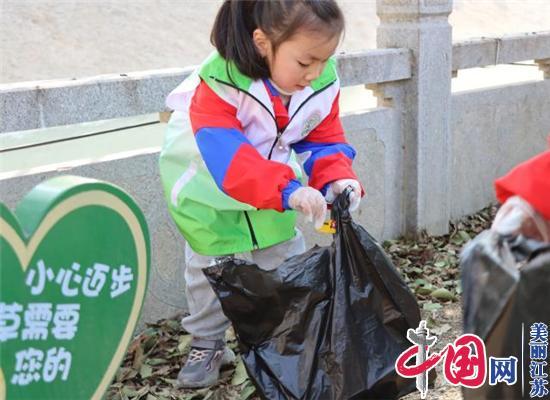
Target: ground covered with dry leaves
<point x="428" y="264"/>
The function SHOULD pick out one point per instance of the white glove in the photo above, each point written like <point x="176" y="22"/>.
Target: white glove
<point x="517" y="216"/>
<point x="311" y="202"/>
<point x="337" y="187"/>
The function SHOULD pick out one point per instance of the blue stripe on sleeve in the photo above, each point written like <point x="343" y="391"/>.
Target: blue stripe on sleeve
<point x="218" y="146"/>
<point x="324" y="189"/>
<point x="320" y="150"/>
<point x="292" y="186"/>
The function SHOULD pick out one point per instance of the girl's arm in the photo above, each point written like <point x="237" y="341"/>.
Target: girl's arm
<point x="237" y="167"/>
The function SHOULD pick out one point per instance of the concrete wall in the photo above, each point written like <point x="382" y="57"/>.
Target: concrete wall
<point x="492" y="131"/>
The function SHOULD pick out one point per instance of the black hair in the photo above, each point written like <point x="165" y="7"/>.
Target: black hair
<point x="278" y="19"/>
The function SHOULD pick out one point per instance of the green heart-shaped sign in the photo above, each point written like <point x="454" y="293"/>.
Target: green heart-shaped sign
<point x="74" y="261"/>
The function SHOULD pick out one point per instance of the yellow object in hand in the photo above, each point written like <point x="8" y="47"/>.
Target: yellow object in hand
<point x="329" y="226"/>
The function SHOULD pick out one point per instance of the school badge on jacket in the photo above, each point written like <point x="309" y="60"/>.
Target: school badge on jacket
<point x="310" y="123"/>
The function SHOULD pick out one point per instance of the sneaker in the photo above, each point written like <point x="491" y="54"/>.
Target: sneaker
<point x="203" y="364"/>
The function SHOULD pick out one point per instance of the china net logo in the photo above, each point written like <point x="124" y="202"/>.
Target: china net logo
<point x="465" y="361"/>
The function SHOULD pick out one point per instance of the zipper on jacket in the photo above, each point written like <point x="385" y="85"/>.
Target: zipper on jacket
<point x="279" y="132"/>
<point x="252" y="234"/>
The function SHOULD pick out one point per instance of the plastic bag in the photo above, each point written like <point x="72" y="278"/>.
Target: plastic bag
<point x="505" y="281"/>
<point x="327" y="324"/>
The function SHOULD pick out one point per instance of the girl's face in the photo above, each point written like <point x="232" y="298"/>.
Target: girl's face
<point x="298" y="60"/>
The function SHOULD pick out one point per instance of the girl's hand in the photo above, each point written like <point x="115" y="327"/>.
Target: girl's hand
<point x="518" y="217"/>
<point x="311" y="203"/>
<point x="338" y="187"/>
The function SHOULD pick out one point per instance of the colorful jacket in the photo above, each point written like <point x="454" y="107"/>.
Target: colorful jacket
<point x="228" y="169"/>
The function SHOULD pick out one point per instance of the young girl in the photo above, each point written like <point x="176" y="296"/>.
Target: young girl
<point x="227" y="166"/>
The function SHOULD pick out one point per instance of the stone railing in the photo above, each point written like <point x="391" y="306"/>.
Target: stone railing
<point x="63" y="102"/>
<point x="493" y="51"/>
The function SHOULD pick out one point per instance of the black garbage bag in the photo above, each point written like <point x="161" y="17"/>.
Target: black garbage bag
<point x="505" y="283"/>
<point x="327" y="324"/>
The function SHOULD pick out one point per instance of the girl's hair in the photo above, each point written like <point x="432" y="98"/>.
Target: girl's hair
<point x="278" y="19"/>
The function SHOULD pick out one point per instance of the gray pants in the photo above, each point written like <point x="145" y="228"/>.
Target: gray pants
<point x="206" y="319"/>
